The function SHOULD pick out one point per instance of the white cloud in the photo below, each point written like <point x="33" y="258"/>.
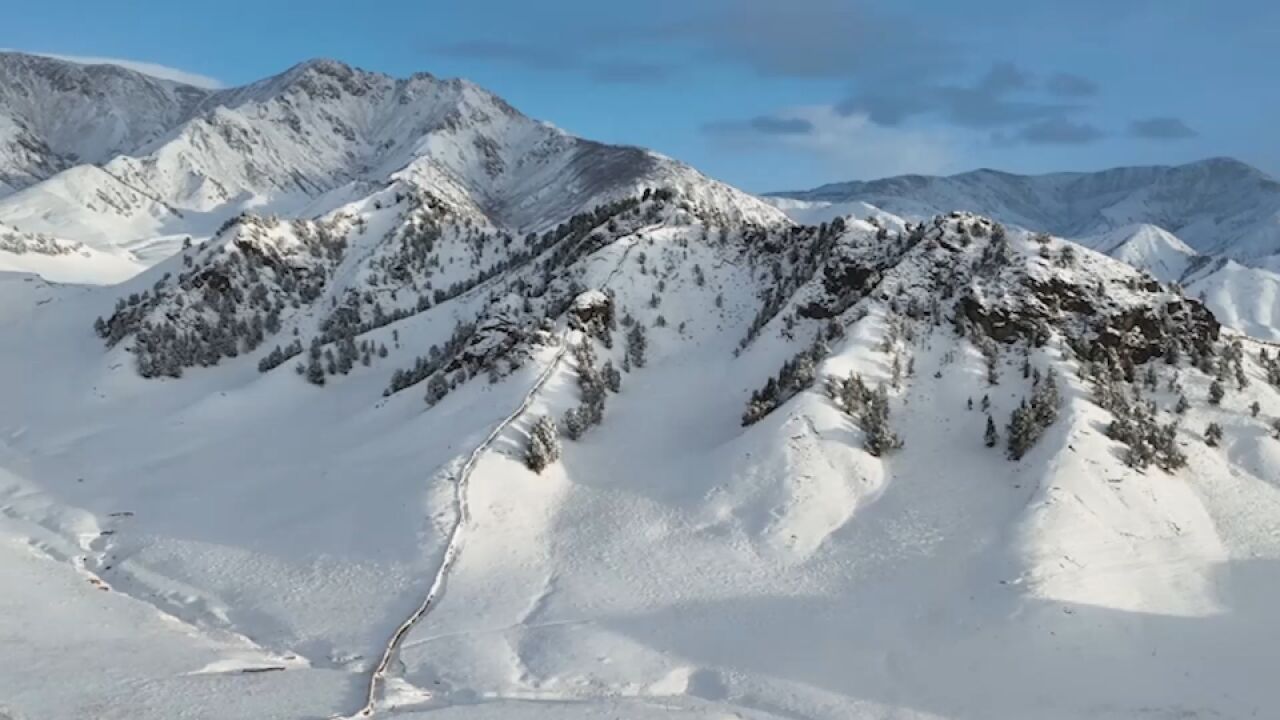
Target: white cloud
<point x="158" y="71"/>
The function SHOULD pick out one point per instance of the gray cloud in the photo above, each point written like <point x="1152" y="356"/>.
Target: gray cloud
<point x="516" y="53"/>
<point x="630" y="73"/>
<point x="1004" y="77"/>
<point x="1059" y="131"/>
<point x="1069" y="85"/>
<point x="1161" y="128"/>
<point x="550" y="59"/>
<point x="773" y="125"/>
<point x="804" y="38"/>
<point x="985" y="104"/>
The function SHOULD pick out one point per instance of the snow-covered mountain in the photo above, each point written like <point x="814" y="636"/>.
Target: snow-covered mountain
<point x="177" y="162"/>
<point x="1218" y="206"/>
<point x="1145" y="247"/>
<point x="56" y="114"/>
<point x="494" y="422"/>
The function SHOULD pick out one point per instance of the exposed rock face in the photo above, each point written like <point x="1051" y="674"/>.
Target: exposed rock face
<point x="1010" y="287"/>
<point x="591" y="310"/>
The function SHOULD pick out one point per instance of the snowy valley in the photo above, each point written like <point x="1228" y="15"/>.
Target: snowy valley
<point x="342" y="395"/>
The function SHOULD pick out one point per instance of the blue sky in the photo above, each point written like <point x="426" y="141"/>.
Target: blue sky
<point x="773" y="94"/>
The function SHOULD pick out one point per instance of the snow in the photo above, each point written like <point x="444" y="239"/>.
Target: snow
<point x="1145" y="247"/>
<point x="1244" y="298"/>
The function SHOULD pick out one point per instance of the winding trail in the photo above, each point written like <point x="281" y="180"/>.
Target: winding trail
<point x="453" y="546"/>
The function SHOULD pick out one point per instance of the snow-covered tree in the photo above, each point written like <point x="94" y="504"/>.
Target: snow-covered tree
<point x="1213" y="434"/>
<point x="1182" y="406"/>
<point x="878" y="437"/>
<point x="1216" y="393"/>
<point x="637" y="345"/>
<point x="612" y="376"/>
<point x="544" y="444"/>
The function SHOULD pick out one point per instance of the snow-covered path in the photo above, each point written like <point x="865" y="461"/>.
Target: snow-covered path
<point x="453" y="547"/>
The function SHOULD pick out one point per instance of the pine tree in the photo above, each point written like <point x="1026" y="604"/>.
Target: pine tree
<point x="992" y="355"/>
<point x="637" y="345"/>
<point x="1216" y="393"/>
<point x="612" y="377"/>
<point x="575" y="424"/>
<point x="315" y="372"/>
<point x="879" y="437"/>
<point x="1182" y="405"/>
<point x="544" y="444"/>
<point x="437" y="388"/>
<point x="1213" y="434"/>
<point x="1022" y="432"/>
<point x="992" y="437"/>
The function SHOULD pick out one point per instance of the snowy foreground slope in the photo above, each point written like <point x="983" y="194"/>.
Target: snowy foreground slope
<point x="223" y="492"/>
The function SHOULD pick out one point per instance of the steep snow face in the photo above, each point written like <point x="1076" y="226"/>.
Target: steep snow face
<point x="247" y="517"/>
<point x="1145" y="247"/>
<point x="1218" y="206"/>
<point x="55" y="114"/>
<point x="1245" y="298"/>
<point x="322" y="135"/>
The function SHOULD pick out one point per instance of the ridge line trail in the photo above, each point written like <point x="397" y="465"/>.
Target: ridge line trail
<point x="453" y="544"/>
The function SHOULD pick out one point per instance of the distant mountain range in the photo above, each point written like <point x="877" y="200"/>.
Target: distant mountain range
<point x="1218" y="206"/>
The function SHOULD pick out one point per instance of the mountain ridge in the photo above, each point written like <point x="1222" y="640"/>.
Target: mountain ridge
<point x="1218" y="205"/>
<point x="322" y="134"/>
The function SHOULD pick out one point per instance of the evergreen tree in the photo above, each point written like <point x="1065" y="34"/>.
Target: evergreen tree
<point x="612" y="377"/>
<point x="315" y="372"/>
<point x="1021" y="431"/>
<point x="575" y="423"/>
<point x="1182" y="405"/>
<point x="637" y="345"/>
<point x="1255" y="408"/>
<point x="544" y="444"/>
<point x="1213" y="434"/>
<point x="879" y="437"/>
<point x="437" y="388"/>
<point x="1216" y="393"/>
<point x="992" y="437"/>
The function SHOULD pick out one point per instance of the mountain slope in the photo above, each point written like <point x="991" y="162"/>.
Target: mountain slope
<point x="1145" y="247"/>
<point x="1217" y="206"/>
<point x="55" y="114"/>
<point x="290" y="525"/>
